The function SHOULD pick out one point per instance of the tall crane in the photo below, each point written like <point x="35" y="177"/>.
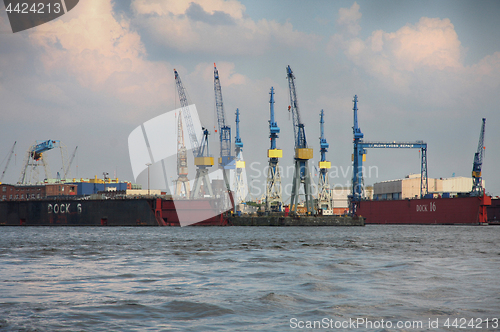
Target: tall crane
<point x="274" y="200"/>
<point x="239" y="175"/>
<point x="359" y="156"/>
<point x="34" y="158"/>
<point x="8" y="161"/>
<point x="202" y="158"/>
<point x="182" y="181"/>
<point x="302" y="152"/>
<point x="224" y="130"/>
<point x="477" y="181"/>
<point x="66" y="171"/>
<point x="324" y="191"/>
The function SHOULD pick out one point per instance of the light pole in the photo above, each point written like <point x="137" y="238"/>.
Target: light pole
<point x="148" y="164"/>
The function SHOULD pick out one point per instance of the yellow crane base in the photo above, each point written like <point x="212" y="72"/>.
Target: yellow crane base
<point x="304" y="153"/>
<point x="204" y="161"/>
<point x="274" y="153"/>
<point x="325" y="164"/>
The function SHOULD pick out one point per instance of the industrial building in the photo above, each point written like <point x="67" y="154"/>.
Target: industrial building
<point x="70" y="187"/>
<point x="9" y="192"/>
<point x="409" y="187"/>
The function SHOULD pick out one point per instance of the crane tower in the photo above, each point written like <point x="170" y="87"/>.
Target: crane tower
<point x="324" y="191"/>
<point x="274" y="200"/>
<point x="477" y="181"/>
<point x="302" y="152"/>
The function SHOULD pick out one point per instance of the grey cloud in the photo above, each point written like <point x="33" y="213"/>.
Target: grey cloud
<point x="196" y="13"/>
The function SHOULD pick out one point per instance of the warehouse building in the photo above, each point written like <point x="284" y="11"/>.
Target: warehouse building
<point x="409" y="187"/>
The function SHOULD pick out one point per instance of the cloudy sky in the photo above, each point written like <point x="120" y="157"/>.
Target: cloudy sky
<point x="427" y="70"/>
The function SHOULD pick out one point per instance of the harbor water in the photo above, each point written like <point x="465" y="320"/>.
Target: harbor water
<point x="250" y="278"/>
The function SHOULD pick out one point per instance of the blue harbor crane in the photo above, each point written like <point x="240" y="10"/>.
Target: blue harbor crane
<point x="359" y="156"/>
<point x="274" y="202"/>
<point x="239" y="176"/>
<point x="324" y="192"/>
<point x="477" y="180"/>
<point x="302" y="152"/>
<point x="202" y="158"/>
<point x="34" y="158"/>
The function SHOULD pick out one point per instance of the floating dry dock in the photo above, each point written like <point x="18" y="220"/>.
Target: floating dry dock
<point x="145" y="212"/>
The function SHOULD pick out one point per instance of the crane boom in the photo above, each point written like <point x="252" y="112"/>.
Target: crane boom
<point x="224" y="130"/>
<point x="477" y="182"/>
<point x="41" y="147"/>
<point x="298" y="127"/>
<point x="66" y="171"/>
<point x="186" y="114"/>
<point x="8" y="161"/>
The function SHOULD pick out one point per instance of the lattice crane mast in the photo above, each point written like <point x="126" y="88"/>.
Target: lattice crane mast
<point x="302" y="152"/>
<point x="274" y="201"/>
<point x="477" y="180"/>
<point x="182" y="183"/>
<point x="224" y="130"/>
<point x="202" y="158"/>
<point x="324" y="191"/>
<point x="239" y="175"/>
<point x="8" y="161"/>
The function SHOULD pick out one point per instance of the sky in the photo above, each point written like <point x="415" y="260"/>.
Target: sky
<point x="427" y="70"/>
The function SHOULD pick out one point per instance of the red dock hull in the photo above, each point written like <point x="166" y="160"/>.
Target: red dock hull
<point x="198" y="212"/>
<point x="433" y="211"/>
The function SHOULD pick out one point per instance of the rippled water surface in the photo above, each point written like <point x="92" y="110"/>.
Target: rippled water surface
<point x="247" y="278"/>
